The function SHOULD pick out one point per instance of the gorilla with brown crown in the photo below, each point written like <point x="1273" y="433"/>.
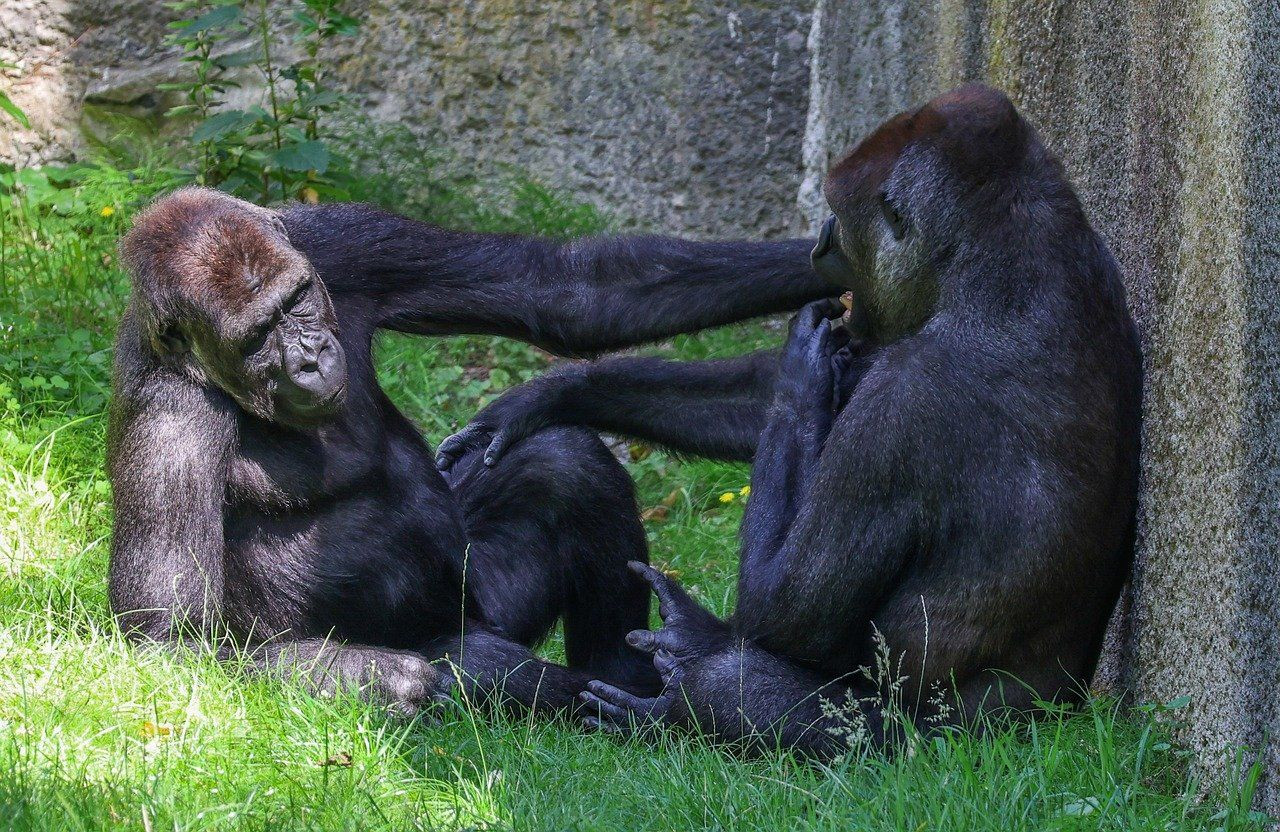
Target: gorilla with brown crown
<point x="273" y="504"/>
<point x="949" y="474"/>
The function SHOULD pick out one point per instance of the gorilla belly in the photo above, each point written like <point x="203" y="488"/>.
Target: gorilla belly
<point x="350" y="570"/>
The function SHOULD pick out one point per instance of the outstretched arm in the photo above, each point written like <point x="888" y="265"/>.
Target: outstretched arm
<point x="580" y="297"/>
<point x="708" y="408"/>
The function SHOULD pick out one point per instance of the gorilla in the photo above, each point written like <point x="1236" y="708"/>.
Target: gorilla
<point x="948" y="473"/>
<point x="271" y="503"/>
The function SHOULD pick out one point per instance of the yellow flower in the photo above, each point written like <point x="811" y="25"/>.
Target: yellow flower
<point x="107" y="211"/>
<point x="728" y="497"/>
<point x="745" y="491"/>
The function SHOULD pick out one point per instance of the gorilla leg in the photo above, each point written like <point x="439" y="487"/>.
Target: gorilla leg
<point x="551" y="528"/>
<point x="726" y="686"/>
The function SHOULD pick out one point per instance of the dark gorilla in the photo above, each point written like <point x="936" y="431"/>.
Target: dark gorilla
<point x="951" y="474"/>
<point x="269" y="496"/>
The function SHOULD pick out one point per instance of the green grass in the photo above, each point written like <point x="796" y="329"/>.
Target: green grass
<point x="94" y="735"/>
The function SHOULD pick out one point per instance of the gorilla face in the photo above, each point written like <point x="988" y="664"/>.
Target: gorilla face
<point x="233" y="303"/>
<point x="277" y="354"/>
<point x="907" y="196"/>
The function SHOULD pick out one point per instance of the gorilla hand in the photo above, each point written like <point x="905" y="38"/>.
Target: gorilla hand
<point x="405" y="682"/>
<point x="517" y="414"/>
<point x="689" y="637"/>
<point x="813" y="362"/>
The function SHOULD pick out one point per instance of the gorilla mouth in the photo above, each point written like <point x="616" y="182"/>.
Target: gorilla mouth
<point x="310" y="412"/>
<point x="846" y="300"/>
<point x="827" y="258"/>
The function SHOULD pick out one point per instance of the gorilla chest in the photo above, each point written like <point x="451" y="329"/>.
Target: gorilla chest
<point x="280" y="469"/>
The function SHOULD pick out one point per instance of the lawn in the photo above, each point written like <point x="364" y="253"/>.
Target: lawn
<point x="94" y="735"/>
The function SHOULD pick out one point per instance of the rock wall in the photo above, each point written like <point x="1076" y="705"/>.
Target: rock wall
<point x="70" y="50"/>
<point x="1168" y="117"/>
<point x="679" y="115"/>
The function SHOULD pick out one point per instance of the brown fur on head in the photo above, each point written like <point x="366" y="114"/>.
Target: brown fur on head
<point x="222" y="296"/>
<point x="912" y="191"/>
<point x="200" y="252"/>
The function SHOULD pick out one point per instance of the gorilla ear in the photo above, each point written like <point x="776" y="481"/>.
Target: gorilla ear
<point x="896" y="220"/>
<point x="170" y="343"/>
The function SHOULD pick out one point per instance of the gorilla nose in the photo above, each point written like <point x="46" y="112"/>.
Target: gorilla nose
<point x="317" y="367"/>
<point x="827" y="258"/>
<point x="825" y="236"/>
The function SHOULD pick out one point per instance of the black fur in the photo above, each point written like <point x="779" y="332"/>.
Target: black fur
<point x="959" y="473"/>
<point x="321" y="535"/>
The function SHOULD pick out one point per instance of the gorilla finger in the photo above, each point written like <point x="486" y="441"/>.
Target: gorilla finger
<point x="664" y="661"/>
<point x="820" y="344"/>
<point x="644" y="640"/>
<point x="818" y="353"/>
<point x="821" y="310"/>
<point x="673" y="601"/>
<point x="501" y="442"/>
<point x="591" y="723"/>
<point x="602" y="709"/>
<point x="840" y="337"/>
<point x="650" y="641"/>
<point x="453" y="447"/>
<point x="616" y="701"/>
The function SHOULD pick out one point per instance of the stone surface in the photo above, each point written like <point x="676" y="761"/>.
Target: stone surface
<point x="1167" y="115"/>
<point x="61" y="47"/>
<point x="679" y="115"/>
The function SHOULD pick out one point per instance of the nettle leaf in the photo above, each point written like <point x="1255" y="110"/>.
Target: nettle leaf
<point x="257" y="115"/>
<point x="324" y="98"/>
<point x="237" y="59"/>
<point x="344" y="24"/>
<point x="312" y="155"/>
<point x="14" y="110"/>
<point x="213" y="19"/>
<point x="220" y="124"/>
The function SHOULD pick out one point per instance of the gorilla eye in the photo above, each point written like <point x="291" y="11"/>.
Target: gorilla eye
<point x="896" y="220"/>
<point x="296" y="294"/>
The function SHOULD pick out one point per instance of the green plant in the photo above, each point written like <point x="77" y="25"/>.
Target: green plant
<point x="6" y="103"/>
<point x="211" y="23"/>
<point x="280" y="149"/>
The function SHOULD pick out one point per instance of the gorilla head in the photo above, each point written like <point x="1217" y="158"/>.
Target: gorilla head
<point x="909" y="196"/>
<point x="224" y="297"/>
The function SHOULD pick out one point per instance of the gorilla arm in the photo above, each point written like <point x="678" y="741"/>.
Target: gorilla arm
<point x="170" y="447"/>
<point x="711" y="408"/>
<point x="171" y="443"/>
<point x="575" y="298"/>
<point x="715" y="409"/>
